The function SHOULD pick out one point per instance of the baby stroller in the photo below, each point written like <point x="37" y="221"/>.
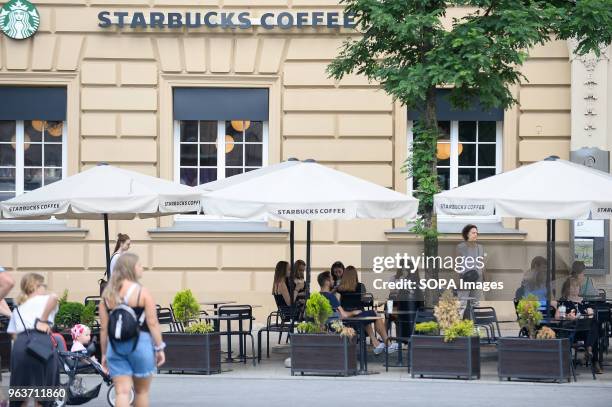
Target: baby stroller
<point x="74" y="364"/>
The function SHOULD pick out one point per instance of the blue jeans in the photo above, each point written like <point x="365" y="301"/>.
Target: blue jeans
<point x="137" y="363"/>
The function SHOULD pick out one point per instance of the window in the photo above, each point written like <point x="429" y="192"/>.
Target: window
<point x="467" y="151"/>
<point x="209" y="150"/>
<point x="32" y="155"/>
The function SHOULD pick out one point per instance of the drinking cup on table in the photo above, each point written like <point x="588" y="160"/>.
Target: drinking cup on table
<point x="562" y="310"/>
<point x="390" y="306"/>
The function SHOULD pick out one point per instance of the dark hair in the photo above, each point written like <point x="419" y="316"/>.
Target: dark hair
<point x="323" y="277"/>
<point x="337" y="264"/>
<point x="121" y="239"/>
<point x="466" y="230"/>
<point x="295" y="270"/>
<point x="578" y="268"/>
<point x="567" y="285"/>
<point x="280" y="272"/>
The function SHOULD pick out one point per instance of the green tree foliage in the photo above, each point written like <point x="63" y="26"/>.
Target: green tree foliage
<point x="319" y="310"/>
<point x="405" y="47"/>
<point x="185" y="306"/>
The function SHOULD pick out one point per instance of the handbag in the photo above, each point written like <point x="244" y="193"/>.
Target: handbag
<point x="470" y="276"/>
<point x="37" y="345"/>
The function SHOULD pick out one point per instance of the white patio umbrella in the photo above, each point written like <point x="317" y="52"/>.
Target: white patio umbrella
<point x="550" y="189"/>
<point x="296" y="190"/>
<point x="104" y="192"/>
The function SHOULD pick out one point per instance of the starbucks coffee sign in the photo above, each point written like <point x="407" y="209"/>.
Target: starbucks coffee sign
<point x="19" y="19"/>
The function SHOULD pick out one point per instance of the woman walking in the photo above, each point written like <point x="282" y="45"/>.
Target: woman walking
<point x="133" y="361"/>
<point x="31" y="322"/>
<point x="123" y="245"/>
<point x="472" y="260"/>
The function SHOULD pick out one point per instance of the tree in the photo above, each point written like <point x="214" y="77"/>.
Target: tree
<point x="405" y="47"/>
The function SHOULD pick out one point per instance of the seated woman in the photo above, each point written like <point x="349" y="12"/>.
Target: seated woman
<point x="297" y="284"/>
<point x="350" y="290"/>
<point x="280" y="290"/>
<point x="574" y="306"/>
<point x="587" y="288"/>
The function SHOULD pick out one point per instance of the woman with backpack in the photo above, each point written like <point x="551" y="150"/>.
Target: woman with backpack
<point x="130" y="335"/>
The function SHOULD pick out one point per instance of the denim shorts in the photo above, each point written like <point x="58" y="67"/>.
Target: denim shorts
<point x="137" y="363"/>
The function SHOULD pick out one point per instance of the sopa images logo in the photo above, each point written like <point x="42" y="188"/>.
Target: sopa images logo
<point x="19" y="19"/>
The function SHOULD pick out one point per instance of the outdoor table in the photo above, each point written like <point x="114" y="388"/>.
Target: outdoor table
<point x="388" y="316"/>
<point x="361" y="322"/>
<point x="229" y="319"/>
<point x="216" y="304"/>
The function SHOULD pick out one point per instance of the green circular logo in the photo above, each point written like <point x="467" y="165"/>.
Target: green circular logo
<point x="19" y="19"/>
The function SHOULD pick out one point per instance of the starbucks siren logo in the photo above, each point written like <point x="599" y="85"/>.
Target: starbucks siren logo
<point x="19" y="19"/>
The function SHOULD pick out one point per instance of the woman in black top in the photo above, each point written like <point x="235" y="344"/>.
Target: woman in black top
<point x="350" y="290"/>
<point x="575" y="307"/>
<point x="337" y="271"/>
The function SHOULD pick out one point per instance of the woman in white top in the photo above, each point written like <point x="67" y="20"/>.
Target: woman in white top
<point x="123" y="245"/>
<point x="33" y="318"/>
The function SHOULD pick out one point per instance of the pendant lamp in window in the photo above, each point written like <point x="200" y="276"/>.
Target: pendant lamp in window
<point x="240" y="125"/>
<point x="55" y="128"/>
<point x="38" y="125"/>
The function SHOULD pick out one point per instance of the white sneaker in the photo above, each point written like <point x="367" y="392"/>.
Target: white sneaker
<point x="393" y="348"/>
<point x="379" y="349"/>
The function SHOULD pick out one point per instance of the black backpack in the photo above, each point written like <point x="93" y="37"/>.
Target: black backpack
<point x="123" y="323"/>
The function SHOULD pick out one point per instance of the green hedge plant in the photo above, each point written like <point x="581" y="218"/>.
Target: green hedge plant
<point x="185" y="307"/>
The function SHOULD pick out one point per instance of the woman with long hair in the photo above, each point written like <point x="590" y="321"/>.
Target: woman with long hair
<point x="351" y="290"/>
<point x="575" y="307"/>
<point x="280" y="290"/>
<point x="297" y="284"/>
<point x="123" y="245"/>
<point x="33" y="318"/>
<point x="337" y="270"/>
<point x="131" y="365"/>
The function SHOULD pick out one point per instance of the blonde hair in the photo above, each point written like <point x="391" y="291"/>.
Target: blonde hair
<point x="349" y="280"/>
<point x="29" y="283"/>
<point x="124" y="270"/>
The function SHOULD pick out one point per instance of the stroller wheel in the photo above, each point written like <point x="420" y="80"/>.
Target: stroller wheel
<point x="61" y="401"/>
<point x="111" y="396"/>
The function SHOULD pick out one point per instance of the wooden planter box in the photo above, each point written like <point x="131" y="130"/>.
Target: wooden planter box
<point x="323" y="354"/>
<point x="5" y="351"/>
<point x="431" y="356"/>
<point x="200" y="353"/>
<point x="534" y="358"/>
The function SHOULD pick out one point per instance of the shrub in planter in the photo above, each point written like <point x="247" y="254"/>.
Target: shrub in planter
<point x="454" y="353"/>
<point x="541" y="356"/>
<point x="198" y="348"/>
<point x="316" y="349"/>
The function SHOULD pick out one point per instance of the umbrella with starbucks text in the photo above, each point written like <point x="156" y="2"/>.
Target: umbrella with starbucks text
<point x="104" y="192"/>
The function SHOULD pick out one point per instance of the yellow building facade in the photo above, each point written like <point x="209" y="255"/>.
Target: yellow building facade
<point x="119" y="85"/>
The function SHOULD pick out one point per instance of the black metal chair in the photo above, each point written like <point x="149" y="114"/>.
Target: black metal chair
<point x="486" y="317"/>
<point x="579" y="325"/>
<point x="283" y="320"/>
<point x="165" y="317"/>
<point x="243" y="314"/>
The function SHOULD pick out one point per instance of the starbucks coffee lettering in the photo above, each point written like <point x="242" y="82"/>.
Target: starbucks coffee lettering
<point x="224" y="19"/>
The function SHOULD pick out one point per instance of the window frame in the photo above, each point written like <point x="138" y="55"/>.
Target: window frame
<point x="221" y="167"/>
<point x="454" y="164"/>
<point x="20" y="154"/>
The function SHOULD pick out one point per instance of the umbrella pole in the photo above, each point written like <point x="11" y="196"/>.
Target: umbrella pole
<point x="106" y="245"/>
<point x="550" y="255"/>
<point x="292" y="241"/>
<point x="307" y="259"/>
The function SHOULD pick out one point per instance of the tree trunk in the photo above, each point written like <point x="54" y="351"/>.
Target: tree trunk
<point x="429" y="218"/>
